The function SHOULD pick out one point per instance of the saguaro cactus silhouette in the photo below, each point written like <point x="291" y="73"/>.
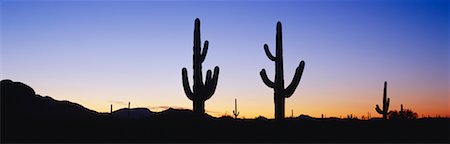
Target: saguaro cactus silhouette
<point x="280" y="93"/>
<point x="235" y="111"/>
<point x="201" y="91"/>
<point x="385" y="110"/>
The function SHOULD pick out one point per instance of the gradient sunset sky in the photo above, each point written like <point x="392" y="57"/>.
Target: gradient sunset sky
<point x="98" y="53"/>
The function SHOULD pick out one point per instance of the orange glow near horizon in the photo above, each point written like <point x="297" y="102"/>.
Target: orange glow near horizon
<point x="219" y="104"/>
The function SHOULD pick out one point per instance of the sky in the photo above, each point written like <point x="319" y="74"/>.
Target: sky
<point x="98" y="53"/>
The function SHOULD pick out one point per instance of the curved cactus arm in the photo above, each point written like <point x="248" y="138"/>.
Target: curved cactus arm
<point x="210" y="88"/>
<point x="204" y="51"/>
<point x="379" y="110"/>
<point x="296" y="80"/>
<point x="269" y="55"/>
<point x="235" y="113"/>
<point x="388" y="113"/>
<point x="265" y="79"/>
<point x="186" y="85"/>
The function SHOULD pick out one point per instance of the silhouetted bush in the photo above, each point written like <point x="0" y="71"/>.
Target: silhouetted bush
<point x="402" y="114"/>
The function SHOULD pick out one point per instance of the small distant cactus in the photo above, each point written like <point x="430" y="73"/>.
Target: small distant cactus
<point x="111" y="109"/>
<point x="201" y="91"/>
<point x="385" y="110"/>
<point x="350" y="116"/>
<point x="280" y="92"/>
<point x="235" y="111"/>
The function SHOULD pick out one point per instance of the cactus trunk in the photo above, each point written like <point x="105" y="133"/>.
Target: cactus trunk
<point x="201" y="91"/>
<point x="199" y="106"/>
<point x="279" y="106"/>
<point x="280" y="92"/>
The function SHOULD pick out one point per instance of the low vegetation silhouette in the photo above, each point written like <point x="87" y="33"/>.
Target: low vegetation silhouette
<point x="280" y="92"/>
<point x="403" y="114"/>
<point x="201" y="91"/>
<point x="27" y="117"/>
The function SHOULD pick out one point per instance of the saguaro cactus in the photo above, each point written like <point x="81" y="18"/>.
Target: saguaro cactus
<point x="201" y="91"/>
<point x="385" y="110"/>
<point x="235" y="111"/>
<point x="280" y="93"/>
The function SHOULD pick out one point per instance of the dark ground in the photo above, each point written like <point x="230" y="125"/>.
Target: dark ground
<point x="27" y="117"/>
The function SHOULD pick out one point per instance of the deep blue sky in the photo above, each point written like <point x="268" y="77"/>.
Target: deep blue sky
<point x="98" y="52"/>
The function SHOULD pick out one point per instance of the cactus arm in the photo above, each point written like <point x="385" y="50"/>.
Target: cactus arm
<point x="186" y="86"/>
<point x="265" y="79"/>
<point x="235" y="113"/>
<point x="296" y="80"/>
<point x="204" y="51"/>
<point x="269" y="55"/>
<point x="210" y="88"/>
<point x="379" y="110"/>
<point x="208" y="78"/>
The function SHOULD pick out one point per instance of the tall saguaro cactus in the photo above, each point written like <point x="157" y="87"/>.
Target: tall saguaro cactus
<point x="280" y="92"/>
<point x="201" y="91"/>
<point x="385" y="110"/>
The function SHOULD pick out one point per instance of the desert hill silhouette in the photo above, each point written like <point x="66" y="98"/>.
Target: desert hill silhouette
<point x="28" y="117"/>
<point x="20" y="101"/>
<point x="133" y="113"/>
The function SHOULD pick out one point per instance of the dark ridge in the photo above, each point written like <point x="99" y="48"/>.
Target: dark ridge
<point x="19" y="101"/>
<point x="27" y="117"/>
<point x="133" y="113"/>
